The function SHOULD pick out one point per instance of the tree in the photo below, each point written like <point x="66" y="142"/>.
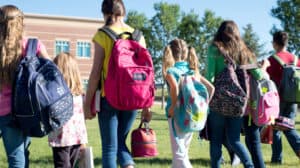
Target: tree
<point x="252" y="41"/>
<point x="189" y="28"/>
<point x="163" y="28"/>
<point x="288" y="12"/>
<point x="208" y="27"/>
<point x="137" y="20"/>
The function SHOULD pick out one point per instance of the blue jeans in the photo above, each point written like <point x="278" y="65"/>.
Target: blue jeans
<point x="287" y="110"/>
<point x="230" y="127"/>
<point x="252" y="138"/>
<point x="114" y="128"/>
<point x="15" y="143"/>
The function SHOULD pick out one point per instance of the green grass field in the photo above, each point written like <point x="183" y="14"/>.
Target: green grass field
<point x="41" y="156"/>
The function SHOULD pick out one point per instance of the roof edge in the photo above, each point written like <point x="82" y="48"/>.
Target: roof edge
<point x="60" y="17"/>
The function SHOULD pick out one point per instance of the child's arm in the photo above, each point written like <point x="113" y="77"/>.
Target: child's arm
<point x="173" y="87"/>
<point x="209" y="86"/>
<point x="94" y="79"/>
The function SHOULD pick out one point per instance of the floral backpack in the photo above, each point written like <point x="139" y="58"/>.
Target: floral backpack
<point x="192" y="104"/>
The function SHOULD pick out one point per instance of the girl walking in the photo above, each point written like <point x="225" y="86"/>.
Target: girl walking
<point x="227" y="39"/>
<point x="66" y="141"/>
<point x="12" y="48"/>
<point x="114" y="124"/>
<point x="178" y="60"/>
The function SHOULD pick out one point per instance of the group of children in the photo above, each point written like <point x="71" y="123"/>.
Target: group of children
<point x="114" y="124"/>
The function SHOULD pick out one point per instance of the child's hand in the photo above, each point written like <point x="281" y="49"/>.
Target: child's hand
<point x="87" y="112"/>
<point x="171" y="111"/>
<point x="265" y="64"/>
<point x="146" y="115"/>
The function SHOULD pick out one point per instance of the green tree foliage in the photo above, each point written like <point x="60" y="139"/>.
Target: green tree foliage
<point x="208" y="27"/>
<point x="252" y="41"/>
<point x="189" y="28"/>
<point x="163" y="29"/>
<point x="137" y="20"/>
<point x="288" y="12"/>
<point x="199" y="33"/>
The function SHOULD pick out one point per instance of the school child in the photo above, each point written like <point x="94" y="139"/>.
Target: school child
<point x="287" y="109"/>
<point x="114" y="123"/>
<point x="66" y="141"/>
<point x="227" y="41"/>
<point x="12" y="49"/>
<point x="178" y="60"/>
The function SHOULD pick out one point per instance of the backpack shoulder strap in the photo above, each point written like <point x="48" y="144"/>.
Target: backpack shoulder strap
<point x="278" y="59"/>
<point x="31" y="47"/>
<point x="112" y="34"/>
<point x="226" y="56"/>
<point x="295" y="60"/>
<point x="248" y="66"/>
<point x="230" y="60"/>
<point x="137" y="35"/>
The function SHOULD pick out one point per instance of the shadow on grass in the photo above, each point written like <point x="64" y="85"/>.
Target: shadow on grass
<point x="97" y="161"/>
<point x="158" y="161"/>
<point x="155" y="116"/>
<point x="41" y="160"/>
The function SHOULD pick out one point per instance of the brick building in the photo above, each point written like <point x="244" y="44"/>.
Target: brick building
<point x="70" y="34"/>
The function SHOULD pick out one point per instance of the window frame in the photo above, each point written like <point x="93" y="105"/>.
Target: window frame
<point x="62" y="40"/>
<point x="90" y="49"/>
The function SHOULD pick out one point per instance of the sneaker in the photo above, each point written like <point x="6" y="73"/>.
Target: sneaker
<point x="235" y="160"/>
<point x="277" y="162"/>
<point x="222" y="160"/>
<point x="298" y="154"/>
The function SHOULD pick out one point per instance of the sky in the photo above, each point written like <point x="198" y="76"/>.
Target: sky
<point x="243" y="12"/>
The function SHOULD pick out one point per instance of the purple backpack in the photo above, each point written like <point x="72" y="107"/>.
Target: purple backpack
<point x="232" y="88"/>
<point x="129" y="84"/>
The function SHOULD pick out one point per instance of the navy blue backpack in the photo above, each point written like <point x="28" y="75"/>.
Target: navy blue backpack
<point x="42" y="101"/>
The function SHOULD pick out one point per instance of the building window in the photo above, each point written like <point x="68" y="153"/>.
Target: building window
<point x="61" y="46"/>
<point x="83" y="49"/>
<point x="85" y="83"/>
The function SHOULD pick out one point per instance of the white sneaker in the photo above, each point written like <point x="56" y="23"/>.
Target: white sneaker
<point x="235" y="161"/>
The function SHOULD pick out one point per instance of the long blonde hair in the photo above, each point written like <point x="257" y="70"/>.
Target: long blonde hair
<point x="228" y="38"/>
<point x="11" y="30"/>
<point x="177" y="50"/>
<point x="68" y="66"/>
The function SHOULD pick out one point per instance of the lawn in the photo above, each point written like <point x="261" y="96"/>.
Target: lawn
<point x="41" y="156"/>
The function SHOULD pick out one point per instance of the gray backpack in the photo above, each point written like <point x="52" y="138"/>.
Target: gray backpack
<point x="289" y="88"/>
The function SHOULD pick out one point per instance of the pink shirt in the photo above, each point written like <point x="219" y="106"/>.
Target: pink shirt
<point x="5" y="93"/>
<point x="74" y="131"/>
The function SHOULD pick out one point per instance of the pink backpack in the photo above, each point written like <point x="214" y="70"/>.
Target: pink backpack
<point x="130" y="78"/>
<point x="264" y="99"/>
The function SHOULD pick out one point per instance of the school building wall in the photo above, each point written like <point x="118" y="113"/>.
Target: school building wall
<point x="57" y="32"/>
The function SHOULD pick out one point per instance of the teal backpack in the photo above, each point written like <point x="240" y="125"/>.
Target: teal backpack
<point x="289" y="88"/>
<point x="192" y="105"/>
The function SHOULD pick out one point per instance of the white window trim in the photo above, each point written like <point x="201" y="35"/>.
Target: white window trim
<point x="61" y="39"/>
<point x="85" y="41"/>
